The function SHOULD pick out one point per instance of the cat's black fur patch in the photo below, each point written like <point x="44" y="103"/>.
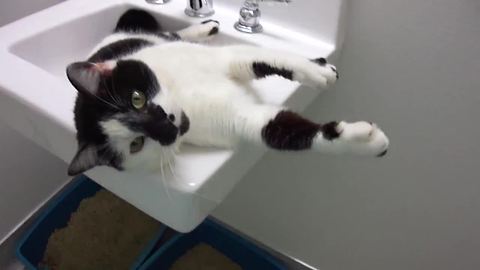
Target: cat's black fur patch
<point x="262" y="70"/>
<point x="290" y="131"/>
<point x="89" y="111"/>
<point x="154" y="123"/>
<point x="136" y="20"/>
<point x="130" y="75"/>
<point x="114" y="88"/>
<point x="88" y="114"/>
<point x="321" y="61"/>
<point x="184" y="124"/>
<point x="213" y="31"/>
<point x="118" y="49"/>
<point x="329" y="131"/>
<point x="104" y="155"/>
<point x="110" y="157"/>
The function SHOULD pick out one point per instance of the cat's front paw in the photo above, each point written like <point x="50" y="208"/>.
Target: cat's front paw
<point x="326" y="70"/>
<point x="359" y="138"/>
<point x="318" y="73"/>
<point x="210" y="28"/>
<point x="363" y="138"/>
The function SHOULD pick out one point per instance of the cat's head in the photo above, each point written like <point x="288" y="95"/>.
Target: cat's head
<point x="125" y="119"/>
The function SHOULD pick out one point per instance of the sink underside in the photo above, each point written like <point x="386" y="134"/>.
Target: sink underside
<point x="37" y="100"/>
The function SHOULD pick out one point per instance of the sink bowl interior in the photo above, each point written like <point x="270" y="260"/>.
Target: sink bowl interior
<point x="52" y="50"/>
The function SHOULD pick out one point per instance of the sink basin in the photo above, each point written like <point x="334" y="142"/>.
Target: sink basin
<point x="37" y="100"/>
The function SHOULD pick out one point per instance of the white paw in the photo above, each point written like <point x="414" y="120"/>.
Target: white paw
<point x="362" y="138"/>
<point x="319" y="73"/>
<point x="209" y="28"/>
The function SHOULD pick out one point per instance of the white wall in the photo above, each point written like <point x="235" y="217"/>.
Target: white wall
<point x="413" y="67"/>
<point x="28" y="174"/>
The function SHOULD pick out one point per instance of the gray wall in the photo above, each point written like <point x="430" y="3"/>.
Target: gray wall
<point x="413" y="67"/>
<point x="28" y="174"/>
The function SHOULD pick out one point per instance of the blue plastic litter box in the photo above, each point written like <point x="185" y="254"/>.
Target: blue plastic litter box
<point x="238" y="249"/>
<point x="31" y="248"/>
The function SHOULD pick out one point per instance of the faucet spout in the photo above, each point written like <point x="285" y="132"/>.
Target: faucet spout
<point x="199" y="8"/>
<point x="157" y="2"/>
<point x="249" y="21"/>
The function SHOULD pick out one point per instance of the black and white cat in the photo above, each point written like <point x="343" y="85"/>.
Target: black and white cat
<point x="142" y="92"/>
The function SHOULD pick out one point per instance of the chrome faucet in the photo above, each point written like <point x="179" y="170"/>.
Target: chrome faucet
<point x="199" y="8"/>
<point x="157" y="2"/>
<point x="249" y="21"/>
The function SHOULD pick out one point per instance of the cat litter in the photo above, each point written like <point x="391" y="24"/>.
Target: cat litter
<point x="213" y="247"/>
<point x="88" y="227"/>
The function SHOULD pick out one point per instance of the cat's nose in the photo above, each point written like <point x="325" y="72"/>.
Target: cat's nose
<point x="165" y="134"/>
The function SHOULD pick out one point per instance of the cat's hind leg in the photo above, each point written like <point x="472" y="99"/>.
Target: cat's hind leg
<point x="282" y="129"/>
<point x="199" y="32"/>
<point x="250" y="63"/>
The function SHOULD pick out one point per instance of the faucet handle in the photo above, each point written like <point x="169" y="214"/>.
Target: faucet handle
<point x="249" y="21"/>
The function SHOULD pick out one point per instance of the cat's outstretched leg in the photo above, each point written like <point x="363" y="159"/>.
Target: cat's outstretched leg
<point x="285" y="130"/>
<point x="249" y="63"/>
<point x="199" y="32"/>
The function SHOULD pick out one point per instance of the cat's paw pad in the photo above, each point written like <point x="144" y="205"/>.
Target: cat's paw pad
<point x="362" y="138"/>
<point x="210" y="27"/>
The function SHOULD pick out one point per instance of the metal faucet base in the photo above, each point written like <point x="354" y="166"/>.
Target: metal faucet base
<point x="157" y="2"/>
<point x="193" y="13"/>
<point x="248" y="29"/>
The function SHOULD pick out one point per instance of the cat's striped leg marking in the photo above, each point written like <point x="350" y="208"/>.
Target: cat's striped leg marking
<point x="286" y="130"/>
<point x="250" y="63"/>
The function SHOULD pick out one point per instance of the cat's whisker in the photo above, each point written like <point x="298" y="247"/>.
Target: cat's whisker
<point x="164" y="181"/>
<point x="172" y="166"/>
<point x="114" y="97"/>
<point x="109" y="93"/>
<point x="172" y="169"/>
<point x="108" y="103"/>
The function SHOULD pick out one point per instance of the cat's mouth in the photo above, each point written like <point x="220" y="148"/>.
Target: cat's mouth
<point x="184" y="124"/>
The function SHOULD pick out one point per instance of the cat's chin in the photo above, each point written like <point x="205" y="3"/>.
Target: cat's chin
<point x="156" y="161"/>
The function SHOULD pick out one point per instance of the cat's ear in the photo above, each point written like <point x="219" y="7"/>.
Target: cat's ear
<point x="85" y="159"/>
<point x="86" y="76"/>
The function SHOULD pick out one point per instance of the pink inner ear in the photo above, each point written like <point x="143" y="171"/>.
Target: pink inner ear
<point x="103" y="68"/>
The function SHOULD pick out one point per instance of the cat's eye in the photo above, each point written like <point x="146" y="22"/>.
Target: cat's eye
<point x="138" y="99"/>
<point x="137" y="144"/>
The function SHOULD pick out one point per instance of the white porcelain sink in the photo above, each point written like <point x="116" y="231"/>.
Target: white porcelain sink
<point x="37" y="100"/>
